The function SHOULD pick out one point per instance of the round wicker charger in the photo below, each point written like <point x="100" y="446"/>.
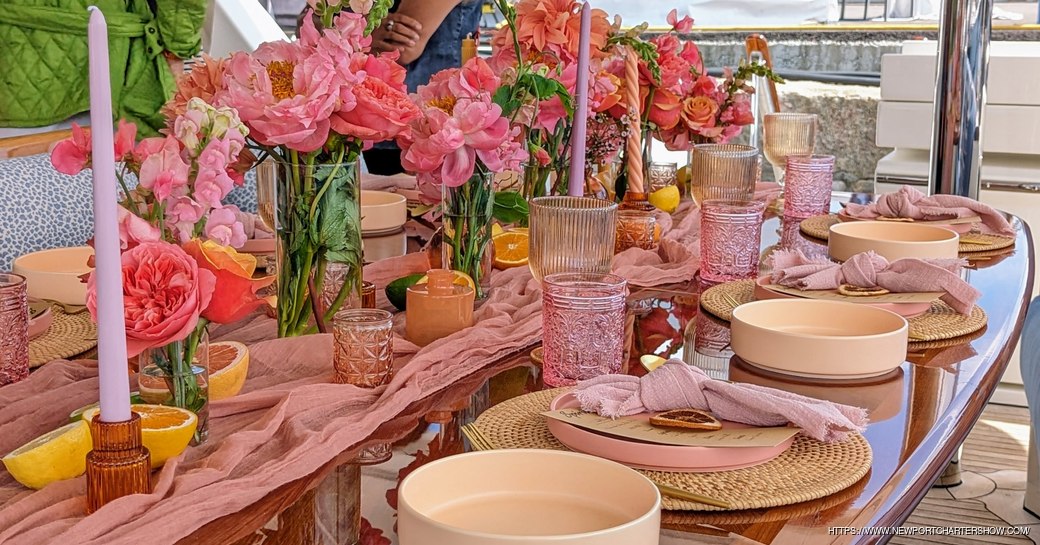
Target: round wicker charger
<point x="69" y="335"/>
<point x="807" y="471"/>
<point x="820" y="227"/>
<point x="940" y="322"/>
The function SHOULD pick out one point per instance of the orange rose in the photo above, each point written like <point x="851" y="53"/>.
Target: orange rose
<point x="699" y="112"/>
<point x="664" y="108"/>
<point x="235" y="293"/>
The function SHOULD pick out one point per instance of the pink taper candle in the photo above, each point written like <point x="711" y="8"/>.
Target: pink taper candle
<point x="576" y="181"/>
<point x="634" y="145"/>
<point x="108" y="270"/>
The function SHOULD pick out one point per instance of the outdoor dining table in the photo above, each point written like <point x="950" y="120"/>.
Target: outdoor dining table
<point x="920" y="415"/>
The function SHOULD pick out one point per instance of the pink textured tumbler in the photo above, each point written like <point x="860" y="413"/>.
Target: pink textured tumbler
<point x="14" y="323"/>
<point x="731" y="233"/>
<point x="807" y="190"/>
<point x="583" y="326"/>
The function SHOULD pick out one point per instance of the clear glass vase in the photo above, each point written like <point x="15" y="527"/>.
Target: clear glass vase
<point x="466" y="242"/>
<point x="318" y="221"/>
<point x="177" y="375"/>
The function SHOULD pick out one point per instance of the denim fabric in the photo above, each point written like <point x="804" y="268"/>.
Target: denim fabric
<point x="1030" y="361"/>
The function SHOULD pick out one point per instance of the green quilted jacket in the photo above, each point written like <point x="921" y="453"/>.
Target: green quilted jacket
<point x="43" y="57"/>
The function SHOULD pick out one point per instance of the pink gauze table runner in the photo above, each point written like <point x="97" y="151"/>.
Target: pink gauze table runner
<point x="289" y="421"/>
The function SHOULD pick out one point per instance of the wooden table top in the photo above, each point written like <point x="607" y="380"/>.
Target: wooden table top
<point x="920" y="414"/>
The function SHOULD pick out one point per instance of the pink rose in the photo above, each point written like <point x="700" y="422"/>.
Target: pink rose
<point x="223" y="227"/>
<point x="704" y="86"/>
<point x="72" y="155"/>
<point x="542" y="156"/>
<point x="382" y="112"/>
<point x="665" y="108"/>
<point x="134" y="230"/>
<point x="165" y="173"/>
<point x="164" y="291"/>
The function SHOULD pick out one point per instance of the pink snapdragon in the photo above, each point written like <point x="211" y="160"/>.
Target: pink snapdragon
<point x="223" y="227"/>
<point x="164" y="173"/>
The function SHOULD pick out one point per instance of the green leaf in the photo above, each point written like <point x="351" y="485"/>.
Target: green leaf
<point x="510" y="207"/>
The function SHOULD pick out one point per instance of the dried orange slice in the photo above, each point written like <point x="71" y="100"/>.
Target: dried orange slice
<point x="511" y="249"/>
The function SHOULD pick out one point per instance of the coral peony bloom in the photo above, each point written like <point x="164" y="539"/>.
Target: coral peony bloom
<point x="134" y="230"/>
<point x="224" y="228"/>
<point x="165" y="173"/>
<point x="204" y="81"/>
<point x="476" y="78"/>
<point x="382" y="67"/>
<point x="555" y="25"/>
<point x="280" y="103"/>
<point x="234" y="296"/>
<point x="381" y="113"/>
<point x="72" y="155"/>
<point x="164" y="292"/>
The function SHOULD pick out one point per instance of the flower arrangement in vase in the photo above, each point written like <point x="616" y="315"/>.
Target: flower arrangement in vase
<point x="455" y="147"/>
<point x="180" y="267"/>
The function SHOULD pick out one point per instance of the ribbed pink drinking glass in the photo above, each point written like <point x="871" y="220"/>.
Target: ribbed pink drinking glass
<point x="14" y="329"/>
<point x="807" y="189"/>
<point x="583" y="326"/>
<point x="731" y="233"/>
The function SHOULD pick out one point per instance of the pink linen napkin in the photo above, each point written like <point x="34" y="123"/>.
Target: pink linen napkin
<point x="909" y="202"/>
<point x="791" y="268"/>
<point x="676" y="385"/>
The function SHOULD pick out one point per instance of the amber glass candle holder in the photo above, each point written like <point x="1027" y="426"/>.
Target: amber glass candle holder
<point x="119" y="465"/>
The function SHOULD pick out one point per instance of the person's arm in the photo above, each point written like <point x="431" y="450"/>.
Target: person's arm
<point x="421" y="16"/>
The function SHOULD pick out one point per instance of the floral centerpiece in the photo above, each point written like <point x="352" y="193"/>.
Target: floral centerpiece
<point x="180" y="268"/>
<point x="312" y="105"/>
<point x="536" y="52"/>
<point x="461" y="140"/>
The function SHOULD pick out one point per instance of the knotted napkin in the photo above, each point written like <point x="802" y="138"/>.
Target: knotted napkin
<point x="791" y="268"/>
<point x="909" y="202"/>
<point x="676" y="385"/>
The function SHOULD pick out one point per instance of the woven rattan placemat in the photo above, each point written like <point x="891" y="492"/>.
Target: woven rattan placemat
<point x="69" y="335"/>
<point x="820" y="227"/>
<point x="807" y="471"/>
<point x="940" y="322"/>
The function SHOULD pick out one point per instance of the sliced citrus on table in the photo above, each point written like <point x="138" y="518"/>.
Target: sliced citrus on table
<point x="55" y="456"/>
<point x="497" y="229"/>
<point x="651" y="361"/>
<point x="228" y="366"/>
<point x="665" y="199"/>
<point x="511" y="249"/>
<point x="165" y="431"/>
<point x="461" y="279"/>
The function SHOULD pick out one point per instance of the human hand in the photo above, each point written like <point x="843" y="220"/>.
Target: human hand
<point x="396" y="33"/>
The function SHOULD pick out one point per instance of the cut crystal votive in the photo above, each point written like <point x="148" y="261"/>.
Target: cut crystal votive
<point x="635" y="229"/>
<point x="364" y="356"/>
<point x="731" y="234"/>
<point x="723" y="171"/>
<point x="14" y="325"/>
<point x="661" y="175"/>
<point x="571" y="234"/>
<point x="807" y="188"/>
<point x="583" y="326"/>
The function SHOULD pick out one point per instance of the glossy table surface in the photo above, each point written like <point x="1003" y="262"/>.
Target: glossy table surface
<point x="919" y="414"/>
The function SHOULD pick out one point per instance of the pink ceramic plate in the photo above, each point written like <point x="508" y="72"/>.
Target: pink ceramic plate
<point x="906" y="310"/>
<point x="960" y="228"/>
<point x="654" y="456"/>
<point x="40" y="323"/>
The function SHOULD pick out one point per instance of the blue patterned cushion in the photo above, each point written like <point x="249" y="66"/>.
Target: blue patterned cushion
<point x="244" y="197"/>
<point x="41" y="208"/>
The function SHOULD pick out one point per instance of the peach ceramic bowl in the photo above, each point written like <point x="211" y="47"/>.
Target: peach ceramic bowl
<point x="819" y="339"/>
<point x="54" y="274"/>
<point x="891" y="240"/>
<point x="526" y="497"/>
<point x="382" y="212"/>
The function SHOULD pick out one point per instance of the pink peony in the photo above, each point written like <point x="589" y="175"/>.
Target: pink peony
<point x="476" y="78"/>
<point x="72" y="155"/>
<point x="382" y="67"/>
<point x="381" y="113"/>
<point x="164" y="292"/>
<point x="223" y="227"/>
<point x="277" y="100"/>
<point x="165" y="173"/>
<point x="134" y="230"/>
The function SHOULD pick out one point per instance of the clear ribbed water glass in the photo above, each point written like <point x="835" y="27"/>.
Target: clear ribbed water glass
<point x="723" y="171"/>
<point x="807" y="187"/>
<point x="583" y="326"/>
<point x="571" y="234"/>
<point x="786" y="134"/>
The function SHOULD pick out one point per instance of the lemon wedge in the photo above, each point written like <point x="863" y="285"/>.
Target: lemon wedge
<point x="55" y="456"/>
<point x="651" y="362"/>
<point x="165" y="431"/>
